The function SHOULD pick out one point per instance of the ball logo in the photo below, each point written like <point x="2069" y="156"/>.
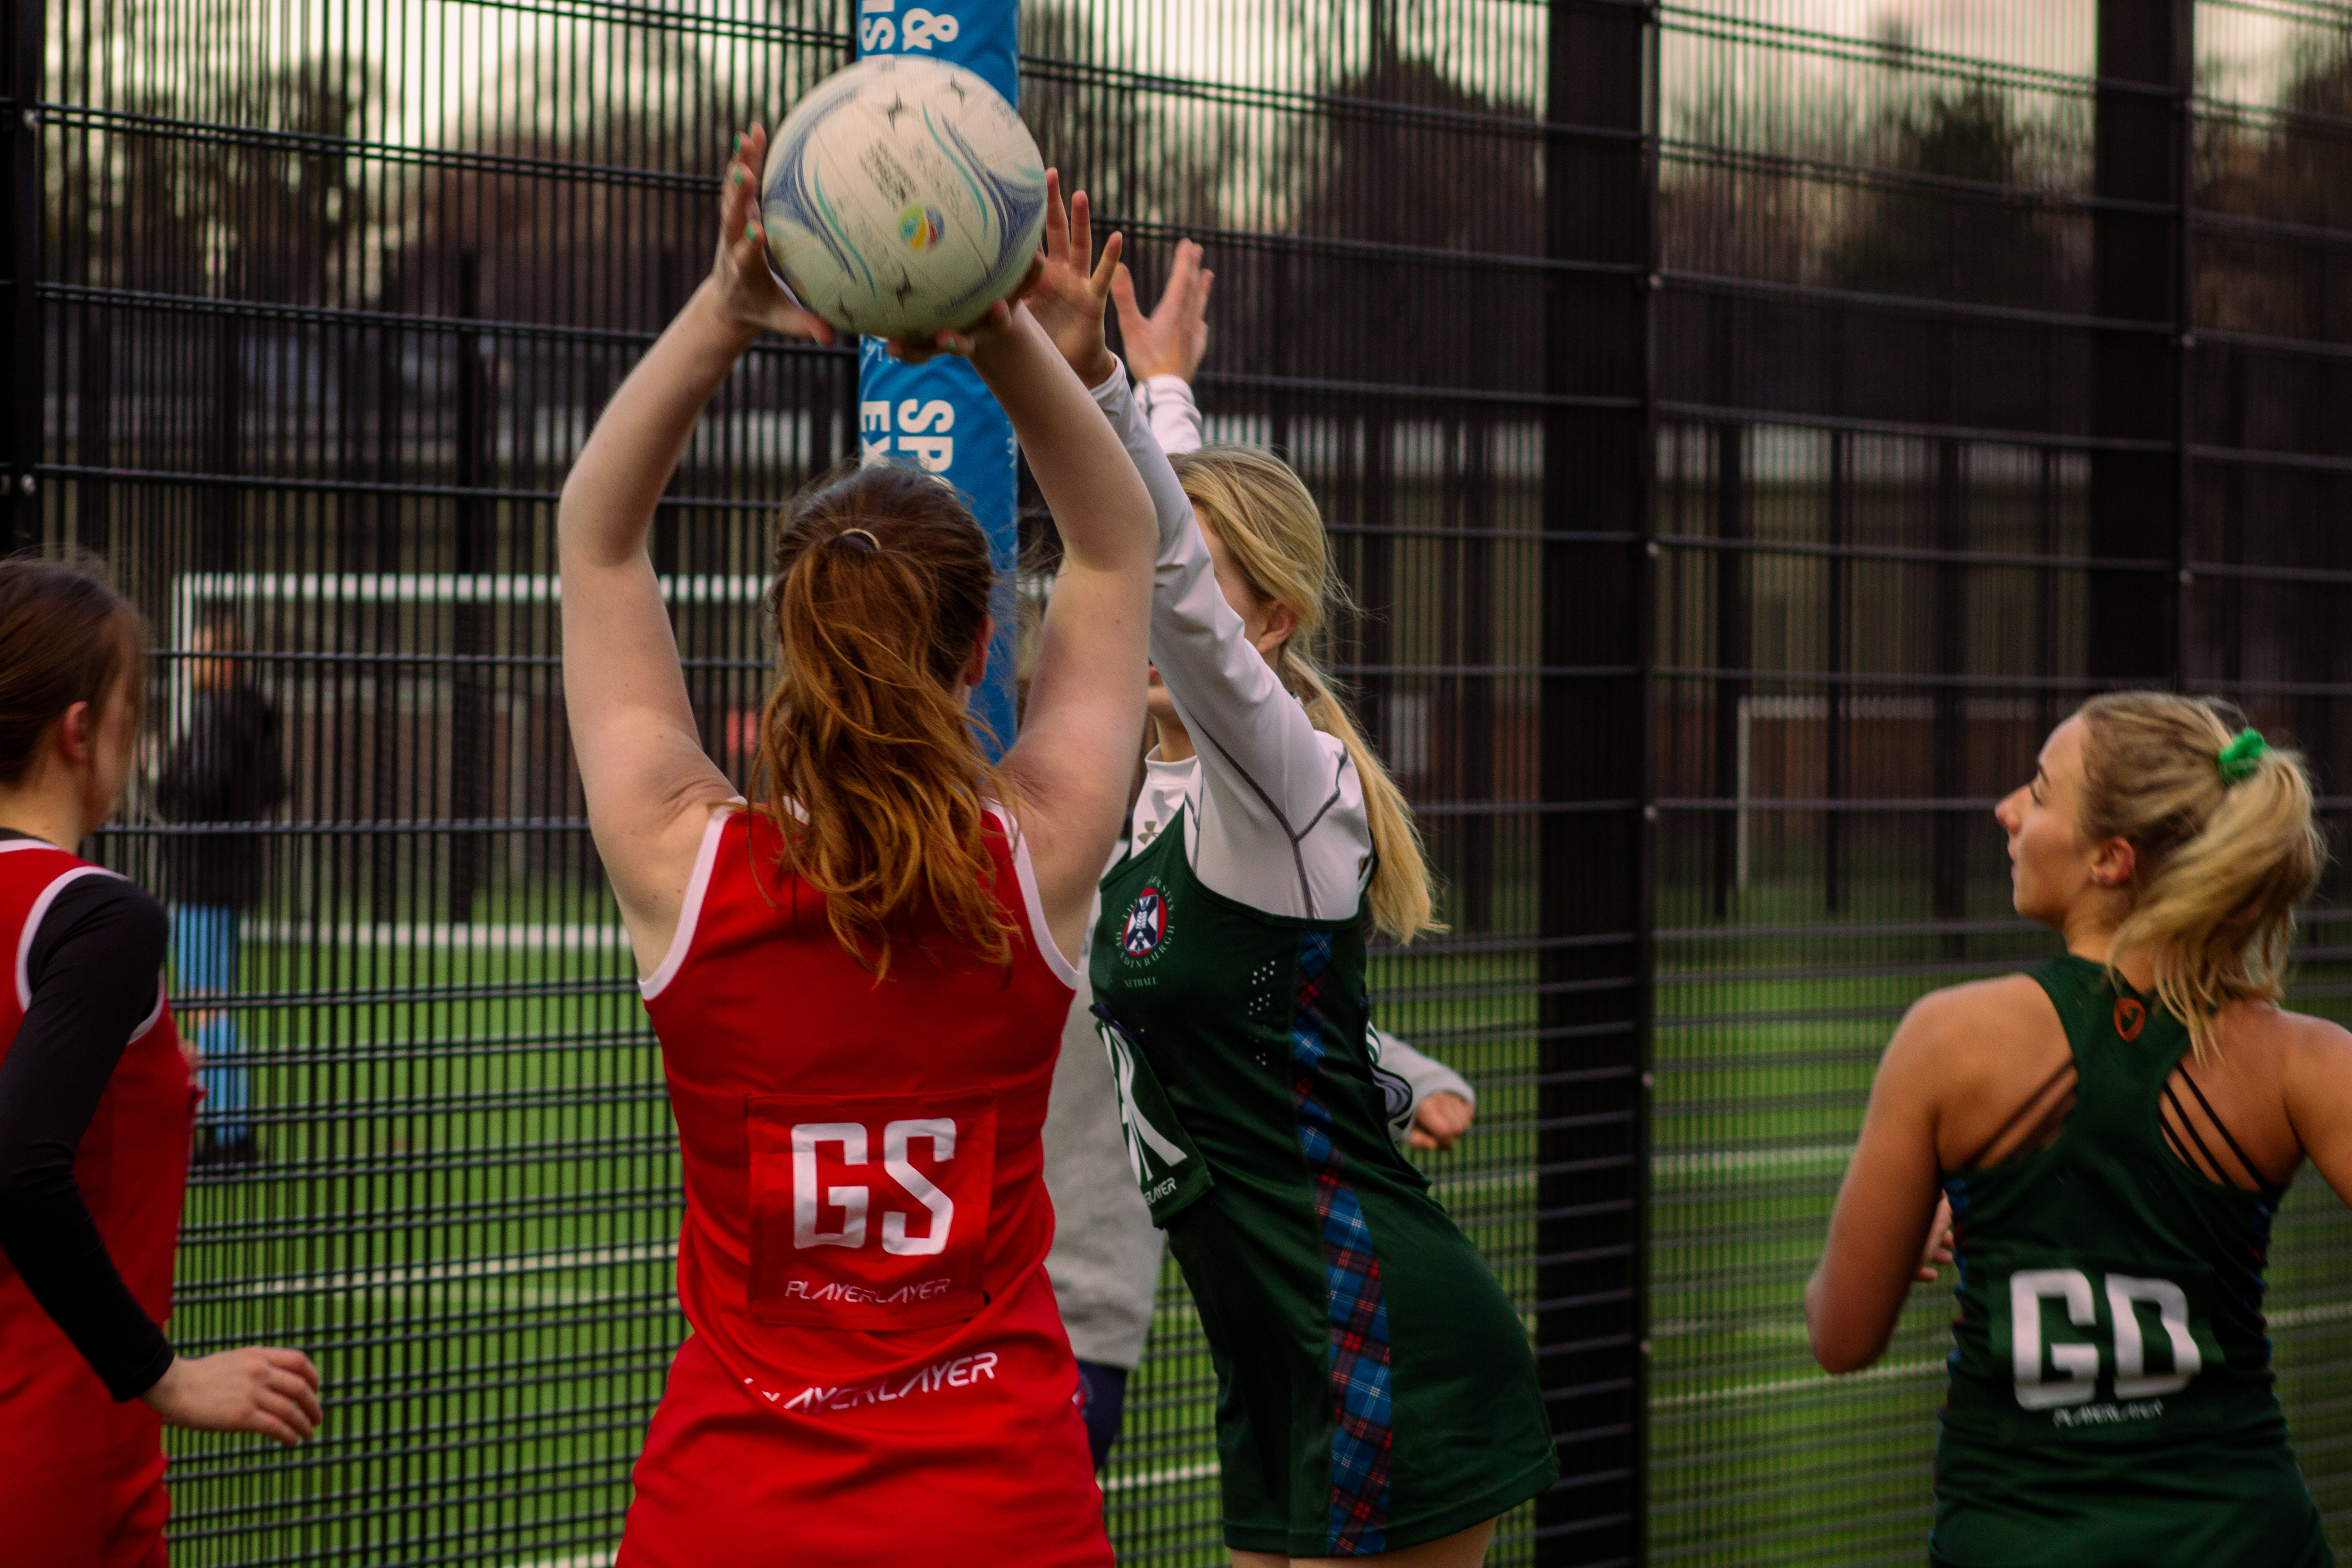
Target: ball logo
<point x="920" y="228"/>
<point x="2130" y="1017"/>
<point x="1147" y="921"/>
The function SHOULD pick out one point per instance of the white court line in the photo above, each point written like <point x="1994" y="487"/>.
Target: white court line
<point x="1899" y="1371"/>
<point x="1162" y="1478"/>
<point x="2306" y="1317"/>
<point x="1748" y="1159"/>
<point x="525" y="937"/>
<point x="457" y="1272"/>
<point x="1665" y="1165"/>
<point x="582" y="1560"/>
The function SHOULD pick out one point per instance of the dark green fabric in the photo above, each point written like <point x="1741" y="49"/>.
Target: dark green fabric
<point x="1201" y="1032"/>
<point x="2073" y="1460"/>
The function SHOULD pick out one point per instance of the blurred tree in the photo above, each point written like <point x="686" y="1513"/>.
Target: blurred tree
<point x="1948" y="241"/>
<point x="1142" y="157"/>
<point x="261" y="195"/>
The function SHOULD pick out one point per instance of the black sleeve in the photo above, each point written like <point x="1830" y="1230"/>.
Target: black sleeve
<point x="94" y="966"/>
<point x="189" y="785"/>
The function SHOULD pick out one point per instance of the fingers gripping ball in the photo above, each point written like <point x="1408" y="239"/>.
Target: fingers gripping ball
<point x="903" y="196"/>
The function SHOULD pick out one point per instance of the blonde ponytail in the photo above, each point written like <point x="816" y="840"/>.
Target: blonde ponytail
<point x="2223" y="865"/>
<point x="1268" y="523"/>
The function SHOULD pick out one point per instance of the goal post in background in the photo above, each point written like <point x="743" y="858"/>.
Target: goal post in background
<point x="939" y="415"/>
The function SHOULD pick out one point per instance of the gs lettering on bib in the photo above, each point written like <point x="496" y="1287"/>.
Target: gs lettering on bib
<point x="870" y="1214"/>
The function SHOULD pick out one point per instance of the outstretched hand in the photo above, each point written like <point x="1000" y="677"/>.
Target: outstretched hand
<point x="747" y="288"/>
<point x="1173" y="338"/>
<point x="1073" y="288"/>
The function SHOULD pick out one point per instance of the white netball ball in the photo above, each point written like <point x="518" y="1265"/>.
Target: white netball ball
<point x="901" y="196"/>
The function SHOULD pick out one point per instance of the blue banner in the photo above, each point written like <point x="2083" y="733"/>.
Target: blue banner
<point x="939" y="414"/>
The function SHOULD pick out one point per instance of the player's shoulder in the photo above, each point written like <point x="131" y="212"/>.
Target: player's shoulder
<point x="1975" y="1003"/>
<point x="110" y="911"/>
<point x="2300" y="1039"/>
<point x="1973" y="1027"/>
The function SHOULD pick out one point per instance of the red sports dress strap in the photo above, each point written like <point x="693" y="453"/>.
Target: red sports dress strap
<point x="863" y="1164"/>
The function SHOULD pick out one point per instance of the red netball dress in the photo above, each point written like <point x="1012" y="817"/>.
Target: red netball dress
<point x="878" y="1373"/>
<point x="81" y="1476"/>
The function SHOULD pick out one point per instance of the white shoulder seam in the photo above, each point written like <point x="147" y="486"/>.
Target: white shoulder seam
<point x="1032" y="902"/>
<point x="153" y="1019"/>
<point x="689" y="913"/>
<point x="40" y="908"/>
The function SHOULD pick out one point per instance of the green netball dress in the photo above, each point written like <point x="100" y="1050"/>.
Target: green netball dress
<point x="2111" y="1398"/>
<point x="1374" y="1385"/>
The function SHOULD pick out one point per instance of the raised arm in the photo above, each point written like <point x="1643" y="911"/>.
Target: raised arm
<point x="1165" y="348"/>
<point x="1270" y="777"/>
<point x="1076" y="756"/>
<point x="650" y="788"/>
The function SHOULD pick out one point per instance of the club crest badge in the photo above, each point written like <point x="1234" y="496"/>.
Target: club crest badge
<point x="1146" y="922"/>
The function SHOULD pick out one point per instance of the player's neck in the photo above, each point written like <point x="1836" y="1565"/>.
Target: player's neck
<point x="2092" y="937"/>
<point x="48" y="804"/>
<point x="1175" y="741"/>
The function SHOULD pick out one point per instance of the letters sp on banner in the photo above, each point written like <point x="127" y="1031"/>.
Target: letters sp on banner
<point x="920" y="428"/>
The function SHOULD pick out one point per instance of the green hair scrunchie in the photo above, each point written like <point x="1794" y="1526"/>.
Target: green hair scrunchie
<point x="2242" y="757"/>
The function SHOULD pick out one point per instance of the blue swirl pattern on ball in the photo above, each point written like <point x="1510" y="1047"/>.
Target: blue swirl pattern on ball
<point x="1012" y="202"/>
<point x="902" y="197"/>
<point x="797" y="194"/>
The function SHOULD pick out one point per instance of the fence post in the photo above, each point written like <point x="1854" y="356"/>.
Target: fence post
<point x="1591" y="1319"/>
<point x="22" y="346"/>
<point x="2138" y="266"/>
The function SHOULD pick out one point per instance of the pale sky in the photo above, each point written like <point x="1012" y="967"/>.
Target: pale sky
<point x="442" y="53"/>
<point x="447" y="60"/>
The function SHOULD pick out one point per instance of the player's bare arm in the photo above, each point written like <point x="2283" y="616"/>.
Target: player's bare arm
<point x="650" y="787"/>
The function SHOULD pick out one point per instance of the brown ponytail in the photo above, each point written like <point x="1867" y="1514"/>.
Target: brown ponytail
<point x="65" y="638"/>
<point x="867" y="756"/>
<point x="2222" y="866"/>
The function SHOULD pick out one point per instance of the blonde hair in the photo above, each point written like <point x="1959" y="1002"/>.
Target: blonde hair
<point x="2222" y="864"/>
<point x="1269" y="523"/>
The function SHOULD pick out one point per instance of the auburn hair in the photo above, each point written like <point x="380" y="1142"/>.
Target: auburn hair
<point x="868" y="762"/>
<point x="2220" y="866"/>
<point x="1269" y="523"/>
<point x="66" y="637"/>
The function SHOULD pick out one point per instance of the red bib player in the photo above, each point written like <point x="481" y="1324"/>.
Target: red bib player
<point x="96" y="1108"/>
<point x="859" y="982"/>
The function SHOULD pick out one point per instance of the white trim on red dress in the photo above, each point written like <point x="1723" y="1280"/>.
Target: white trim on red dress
<point x="41" y="903"/>
<point x="153" y="1018"/>
<point x="690" y="911"/>
<point x="1033" y="901"/>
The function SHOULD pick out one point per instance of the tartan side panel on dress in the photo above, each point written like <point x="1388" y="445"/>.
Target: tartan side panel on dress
<point x="1361" y="1435"/>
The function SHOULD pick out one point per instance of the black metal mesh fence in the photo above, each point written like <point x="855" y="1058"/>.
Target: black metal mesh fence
<point x="1748" y="427"/>
<point x="1990" y="362"/>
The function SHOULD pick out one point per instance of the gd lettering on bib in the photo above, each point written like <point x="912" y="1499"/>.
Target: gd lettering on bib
<point x="870" y="1214"/>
